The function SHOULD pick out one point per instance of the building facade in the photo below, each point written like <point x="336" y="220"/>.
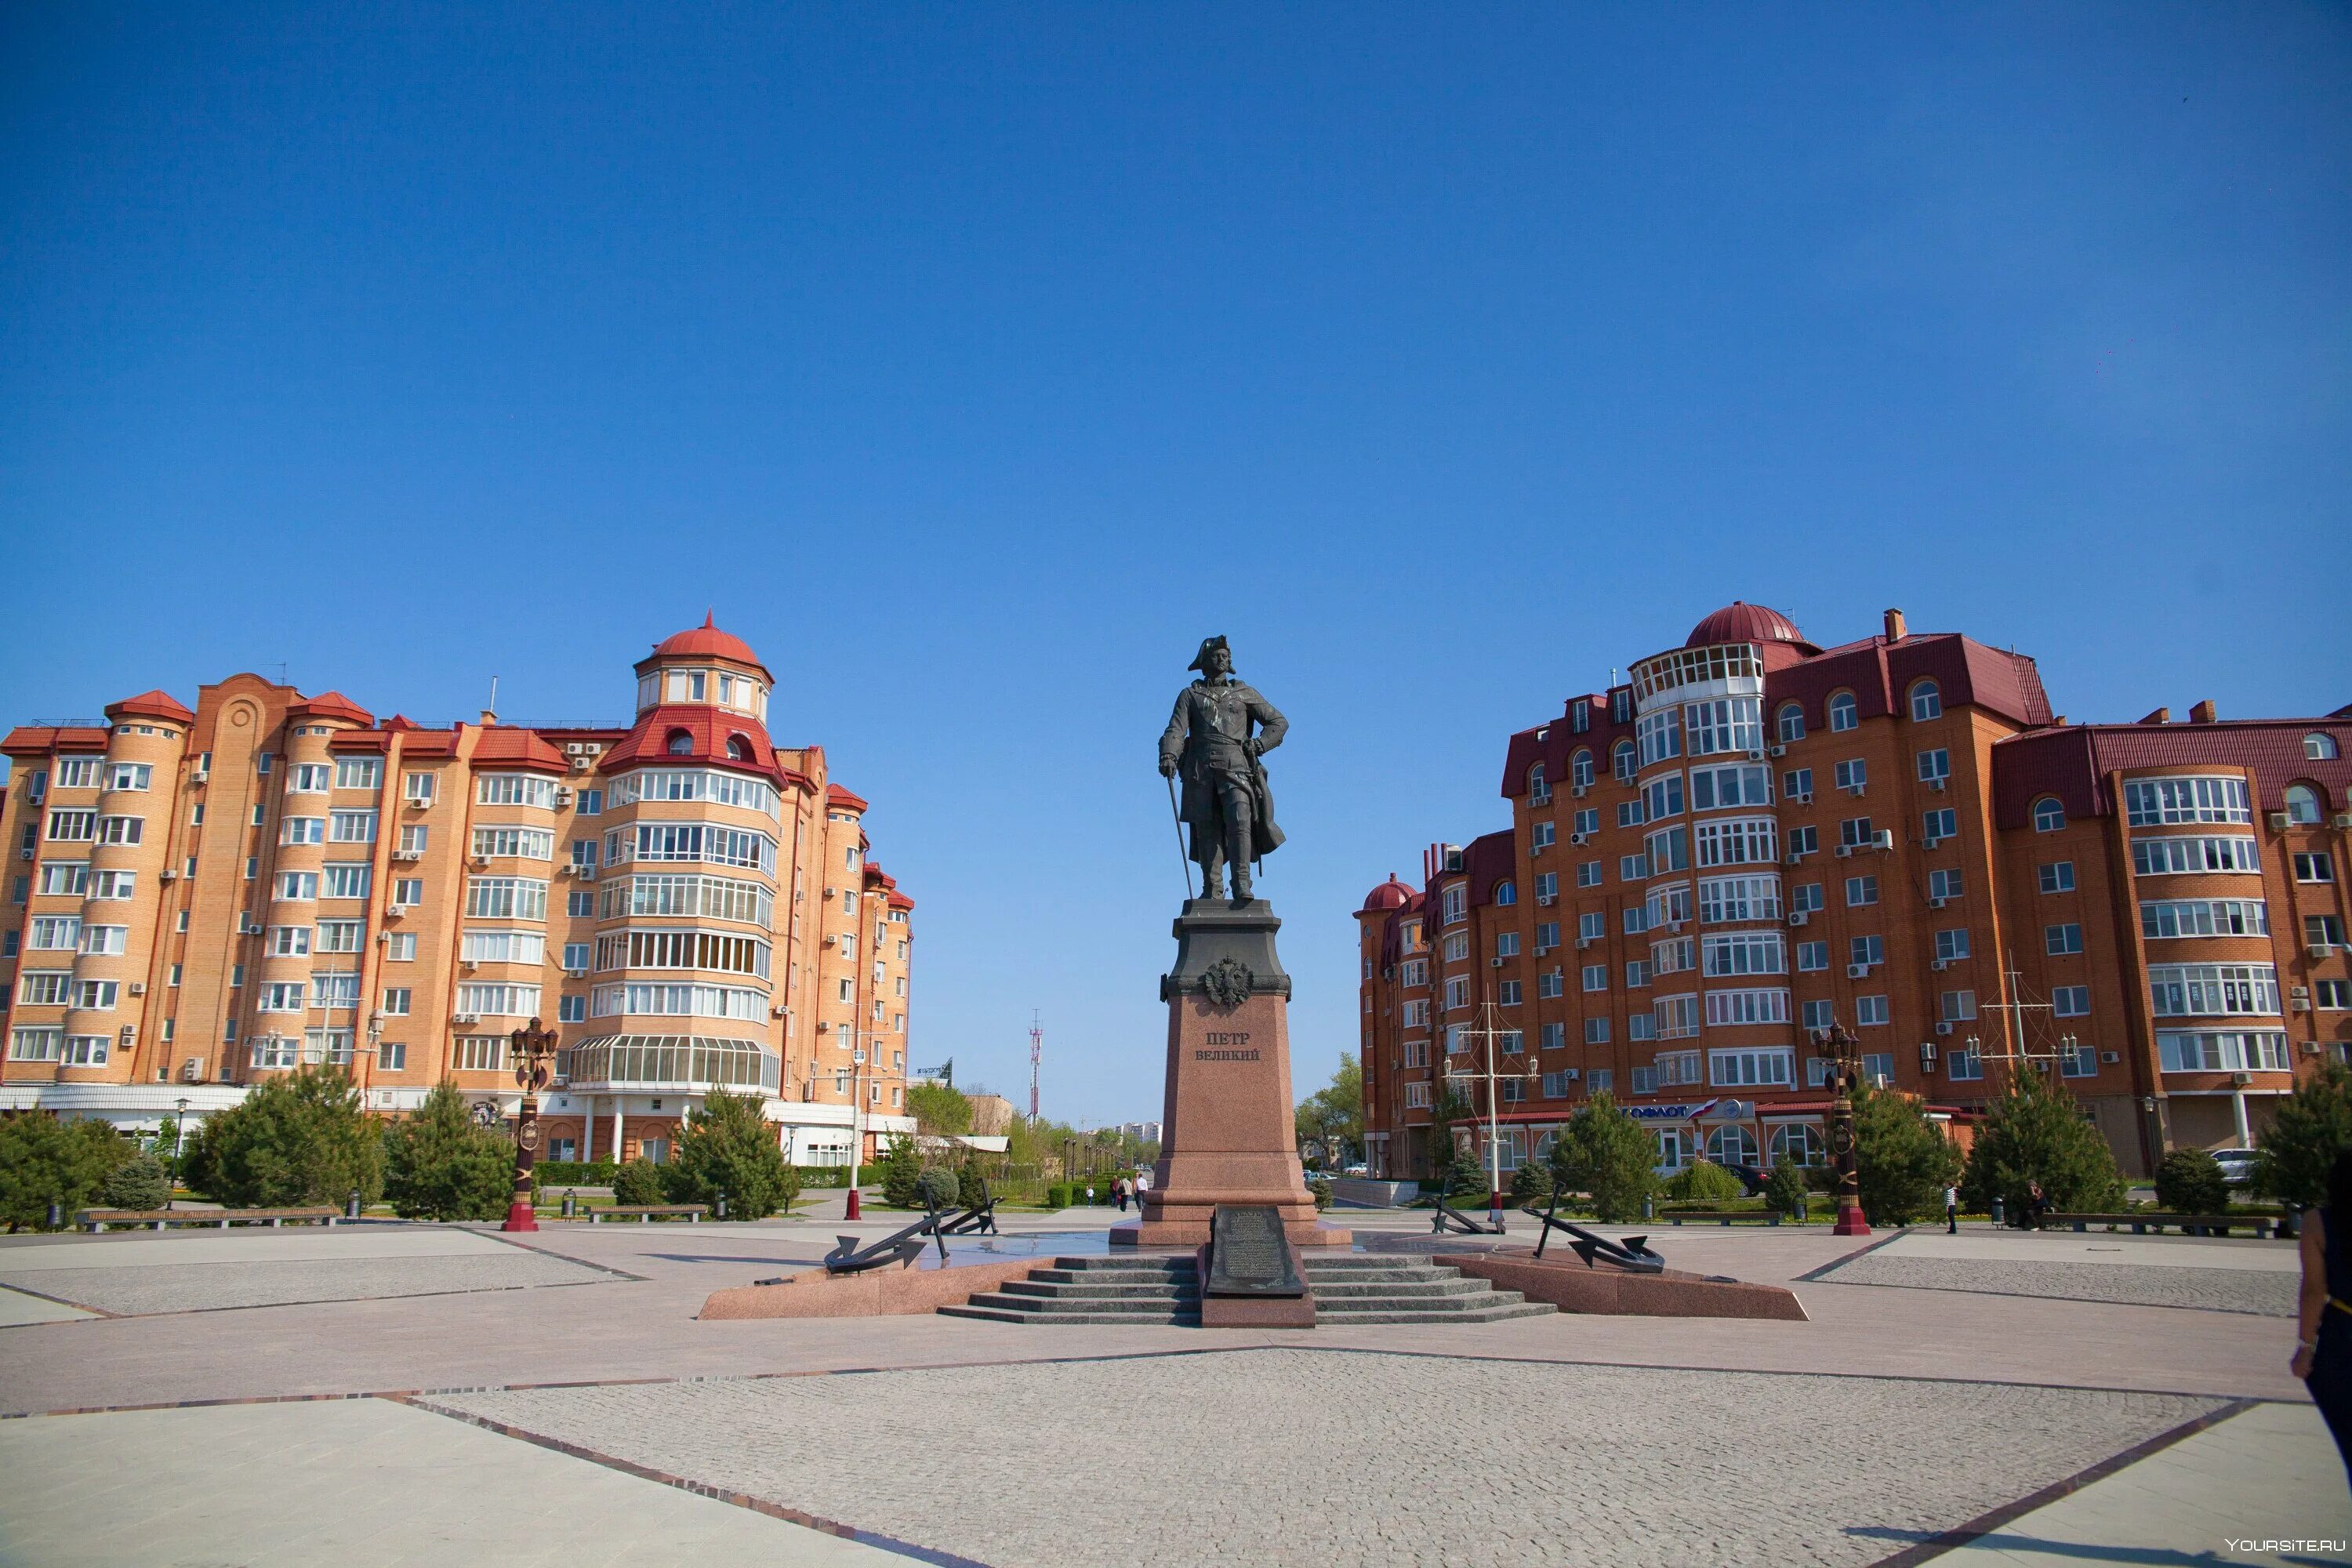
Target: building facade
<point x="203" y="899"/>
<point x="1754" y="837"/>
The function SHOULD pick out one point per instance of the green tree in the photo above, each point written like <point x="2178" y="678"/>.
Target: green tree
<point x="1467" y="1175"/>
<point x="902" y="1168"/>
<point x="140" y="1184"/>
<point x="1451" y="1108"/>
<point x="2312" y="1127"/>
<point x="640" y="1184"/>
<point x="1704" y="1182"/>
<point x="1784" y="1188"/>
<point x="1607" y="1153"/>
<point x="440" y="1165"/>
<point x="300" y="1140"/>
<point x="940" y="1110"/>
<point x="2035" y="1132"/>
<point x="2189" y="1180"/>
<point x="971" y="1186"/>
<point x="1333" y="1116"/>
<point x="1531" y="1183"/>
<point x="45" y="1161"/>
<point x="1903" y="1161"/>
<point x="937" y="1188"/>
<point x="727" y="1146"/>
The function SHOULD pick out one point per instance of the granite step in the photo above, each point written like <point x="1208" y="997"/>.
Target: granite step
<point x="1092" y="1290"/>
<point x="1060" y="1307"/>
<point x="1107" y="1320"/>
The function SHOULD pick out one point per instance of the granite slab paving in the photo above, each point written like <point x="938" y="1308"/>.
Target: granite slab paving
<point x="2266" y="1292"/>
<point x="18" y="1307"/>
<point x="1544" y="1464"/>
<point x="154" y="1288"/>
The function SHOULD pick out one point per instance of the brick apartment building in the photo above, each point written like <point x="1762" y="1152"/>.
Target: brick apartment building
<point x="201" y="899"/>
<point x="1754" y="836"/>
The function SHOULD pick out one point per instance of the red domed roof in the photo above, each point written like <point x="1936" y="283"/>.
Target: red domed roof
<point x="1740" y="621"/>
<point x="1389" y="895"/>
<point x="707" y="641"/>
<point x="151" y="705"/>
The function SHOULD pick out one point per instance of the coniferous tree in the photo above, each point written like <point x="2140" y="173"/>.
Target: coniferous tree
<point x="440" y="1165"/>
<point x="2035" y="1132"/>
<point x="727" y="1146"/>
<point x="296" y="1140"/>
<point x="44" y="1161"/>
<point x="2312" y="1127"/>
<point x="902" y="1168"/>
<point x="1607" y="1153"/>
<point x="1904" y="1162"/>
<point x="139" y="1184"/>
<point x="2189" y="1180"/>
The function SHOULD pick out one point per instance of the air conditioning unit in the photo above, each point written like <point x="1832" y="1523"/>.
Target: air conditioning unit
<point x="419" y="802"/>
<point x="1883" y="839"/>
<point x="24" y="854"/>
<point x="828" y="892"/>
<point x="1496" y="962"/>
<point x="1579" y="790"/>
<point x="468" y="964"/>
<point x="193" y="1071"/>
<point x="465" y="1018"/>
<point x="1857" y="971"/>
<point x="2242" y="1078"/>
<point x="2299" y="1005"/>
<point x="395" y="912"/>
<point x="1537" y="848"/>
<point x="1943" y="1026"/>
<point x="139" y="988"/>
<point x="1777" y="751"/>
<point x="586" y="873"/>
<point x="478" y="861"/>
<point x="1843" y="850"/>
<point x="2111" y="1057"/>
<point x="1799" y="918"/>
<point x="1795" y="858"/>
<point x="2342" y="820"/>
<point x="1856" y="790"/>
<point x="1584" y="941"/>
<point x="1939" y="964"/>
<point x="199" y="776"/>
<point x="167" y="875"/>
<point x="562" y="794"/>
<point x="2319" y="949"/>
<point x="383" y="936"/>
<point x="252" y="927"/>
<point x="1803" y="797"/>
<point x="1938" y="783"/>
<point x="2277" y="819"/>
<point x="408" y="854"/>
<point x="1570" y="1072"/>
<point x="1580" y="837"/>
<point x="780" y="1012"/>
<point x="1547" y="897"/>
<point x="1938" y="902"/>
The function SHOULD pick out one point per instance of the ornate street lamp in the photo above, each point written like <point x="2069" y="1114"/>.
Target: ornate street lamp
<point x="534" y="1053"/>
<point x="1841" y="1044"/>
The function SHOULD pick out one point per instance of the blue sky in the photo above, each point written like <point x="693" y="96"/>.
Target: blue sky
<point x="974" y="361"/>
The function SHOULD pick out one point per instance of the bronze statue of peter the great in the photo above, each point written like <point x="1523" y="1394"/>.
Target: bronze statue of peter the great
<point x="1221" y="728"/>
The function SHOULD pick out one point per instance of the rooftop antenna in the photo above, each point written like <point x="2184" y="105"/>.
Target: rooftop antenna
<point x="281" y="672"/>
<point x="1036" y="1052"/>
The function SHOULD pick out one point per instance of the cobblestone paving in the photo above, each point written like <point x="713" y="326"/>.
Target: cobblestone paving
<point x="2268" y="1292"/>
<point x="1295" y="1455"/>
<point x="196" y="1287"/>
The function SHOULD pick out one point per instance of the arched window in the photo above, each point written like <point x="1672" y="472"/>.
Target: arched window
<point x="1621" y="761"/>
<point x="681" y="744"/>
<point x="1507" y="892"/>
<point x="1843" y="713"/>
<point x="1792" y="721"/>
<point x="1796" y="1145"/>
<point x="2302" y="804"/>
<point x="2318" y="747"/>
<point x="2049" y="817"/>
<point x="1926" y="700"/>
<point x="1580" y="769"/>
<point x="1538" y="787"/>
<point x="739" y="748"/>
<point x="1544" y="1142"/>
<point x="1731" y="1146"/>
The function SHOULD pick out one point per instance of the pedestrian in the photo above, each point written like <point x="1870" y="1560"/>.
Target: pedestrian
<point x="2037" y="1204"/>
<point x="1118" y="1192"/>
<point x="1090" y="1194"/>
<point x="1142" y="1185"/>
<point x="2322" y="1350"/>
<point x="1951" y="1209"/>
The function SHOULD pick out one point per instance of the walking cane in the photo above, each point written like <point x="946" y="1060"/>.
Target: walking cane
<point x="1176" y="812"/>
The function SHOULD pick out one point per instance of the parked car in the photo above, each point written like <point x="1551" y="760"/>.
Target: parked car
<point x="1360" y="1170"/>
<point x="2237" y="1164"/>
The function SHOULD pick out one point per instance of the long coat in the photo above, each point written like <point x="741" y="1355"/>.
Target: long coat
<point x="1193" y="728"/>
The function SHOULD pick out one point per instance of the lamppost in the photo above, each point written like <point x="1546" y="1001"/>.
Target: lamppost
<point x="1844" y="1048"/>
<point x="179" y="1136"/>
<point x="1490" y="1034"/>
<point x="532" y="1050"/>
<point x="857" y="1121"/>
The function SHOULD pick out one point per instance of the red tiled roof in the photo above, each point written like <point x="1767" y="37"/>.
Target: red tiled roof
<point x="331" y="705"/>
<point x="837" y="796"/>
<point x="1740" y="621"/>
<point x="900" y="900"/>
<point x="2072" y="763"/>
<point x="41" y="738"/>
<point x="151" y="705"/>
<point x="708" y="731"/>
<point x="1389" y="895"/>
<point x="504" y="745"/>
<point x="707" y="641"/>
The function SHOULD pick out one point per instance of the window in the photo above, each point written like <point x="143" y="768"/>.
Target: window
<point x="1508" y="993"/>
<point x="2061" y="939"/>
<point x="1637" y="971"/>
<point x="2049" y="817"/>
<point x="1661" y="736"/>
<point x="502" y="999"/>
<point x="303" y="830"/>
<point x="396" y="1000"/>
<point x="350" y="826"/>
<point x="1416" y="1097"/>
<point x="1854" y="775"/>
<point x="1538" y="791"/>
<point x="308" y="778"/>
<point x="1457" y="947"/>
<point x="288" y="941"/>
<point x="1790" y="721"/>
<point x="69" y="878"/>
<point x="2248" y="1051"/>
<point x="1803" y="841"/>
<point x="2335" y="995"/>
<point x="340" y="936"/>
<point x="505" y="947"/>
<point x="1596" y="1031"/>
<point x="1843" y="714"/>
<point x="2151" y="803"/>
<point x="1745" y="840"/>
<point x="2196" y="990"/>
<point x="1747" y="953"/>
<point x="2070" y="1002"/>
<point x="2302" y="804"/>
<point x="2318" y="747"/>
<point x="417" y="787"/>
<point x="114" y="885"/>
<point x="1457" y="993"/>
<point x="1622" y="761"/>
<point x="2176" y="857"/>
<point x="1506" y="893"/>
<point x="335" y="990"/>
<point x="1805" y="898"/>
<point x="1416" y="1014"/>
<point x="1750" y="1069"/>
<point x="413" y="839"/>
<point x="1951" y="945"/>
<point x="1856" y="832"/>
<point x="1861" y="890"/>
<point x="1725" y="724"/>
<point x="402" y="947"/>
<point x="1596" y="977"/>
<point x="297" y="886"/>
<point x="2319" y="931"/>
<point x="1587" y="873"/>
<point x="1946" y="885"/>
<point x="1559" y="1085"/>
<point x="1677" y="1016"/>
<point x="1714" y="789"/>
<point x="1866" y="949"/>
<point x="1547" y="885"/>
<point x="1797" y="1144"/>
<point x="1927" y="702"/>
<point x="1724" y="899"/>
<point x="1661" y="798"/>
<point x="2319" y="866"/>
<point x="72" y="827"/>
<point x="513" y="789"/>
<point x="1936" y="826"/>
<point x="407" y="893"/>
<point x="348" y="879"/>
<point x="1870" y="1011"/>
<point x="591" y="802"/>
<point x="2160" y="919"/>
<point x="1812" y="957"/>
<point x="128" y="776"/>
<point x="575" y="957"/>
<point x="1818" y="1016"/>
<point x="1588" y="820"/>
<point x="1957" y="1007"/>
<point x="506" y="897"/>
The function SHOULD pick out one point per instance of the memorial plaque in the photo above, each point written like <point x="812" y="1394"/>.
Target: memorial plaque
<point x="1249" y="1255"/>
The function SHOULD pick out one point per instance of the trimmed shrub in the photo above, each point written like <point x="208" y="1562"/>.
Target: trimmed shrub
<point x="937" y="1188"/>
<point x="298" y="1141"/>
<point x="1467" y="1176"/>
<point x="438" y="1164"/>
<point x="1321" y="1187"/>
<point x="728" y="1147"/>
<point x="139" y="1183"/>
<point x="1704" y="1182"/>
<point x="2033" y="1132"/>
<point x="2189" y="1180"/>
<point x="45" y="1161"/>
<point x="575" y="1172"/>
<point x="1531" y="1183"/>
<point x="2312" y="1127"/>
<point x="1784" y="1189"/>
<point x="639" y="1182"/>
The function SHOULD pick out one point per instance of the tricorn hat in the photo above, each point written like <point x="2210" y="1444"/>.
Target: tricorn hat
<point x="1201" y="660"/>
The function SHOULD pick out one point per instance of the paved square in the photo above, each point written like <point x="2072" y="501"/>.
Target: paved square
<point x="1414" y="1459"/>
<point x="2216" y="1276"/>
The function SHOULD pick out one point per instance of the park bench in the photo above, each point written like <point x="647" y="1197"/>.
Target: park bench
<point x="97" y="1220"/>
<point x="648" y="1213"/>
<point x="1721" y="1217"/>
<point x="2262" y="1226"/>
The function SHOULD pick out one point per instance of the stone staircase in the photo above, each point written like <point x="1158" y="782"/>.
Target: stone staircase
<point x="1350" y="1289"/>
